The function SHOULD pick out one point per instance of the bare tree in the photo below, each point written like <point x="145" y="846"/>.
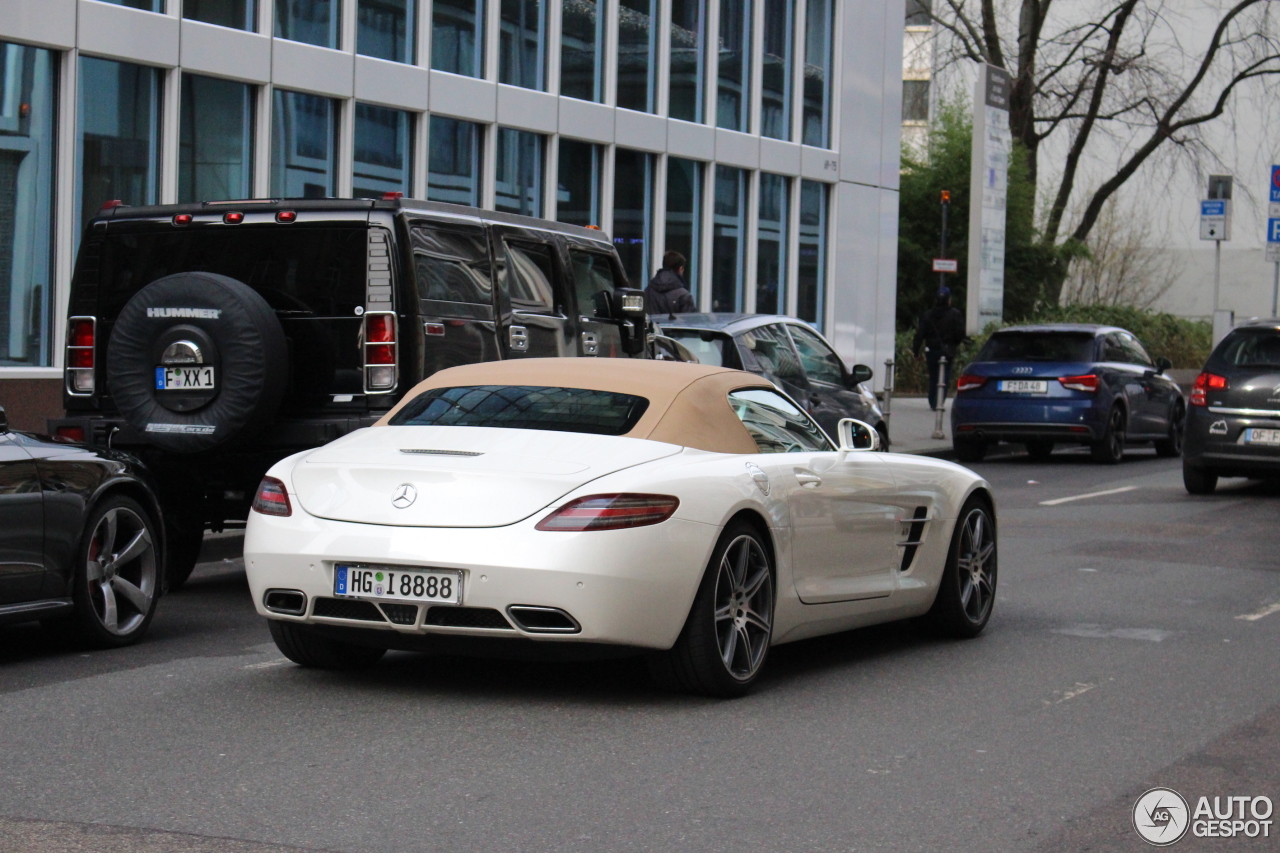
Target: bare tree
<point x="1122" y="266"/>
<point x="1112" y="71"/>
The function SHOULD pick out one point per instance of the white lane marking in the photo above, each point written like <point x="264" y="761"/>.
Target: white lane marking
<point x="1151" y="635"/>
<point x="1266" y="611"/>
<point x="266" y="664"/>
<point x="1057" y="501"/>
<point x="1061" y="696"/>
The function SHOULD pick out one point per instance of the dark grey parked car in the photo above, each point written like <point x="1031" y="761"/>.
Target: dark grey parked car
<point x="1233" y="422"/>
<point x="791" y="354"/>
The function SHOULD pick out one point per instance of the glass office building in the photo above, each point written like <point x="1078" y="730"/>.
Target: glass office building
<point x="758" y="138"/>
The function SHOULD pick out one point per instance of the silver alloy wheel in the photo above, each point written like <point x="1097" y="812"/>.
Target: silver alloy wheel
<point x="975" y="565"/>
<point x="744" y="607"/>
<point x="121" y="566"/>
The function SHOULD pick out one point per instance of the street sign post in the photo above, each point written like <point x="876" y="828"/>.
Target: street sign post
<point x="1215" y="225"/>
<point x="1273" y="239"/>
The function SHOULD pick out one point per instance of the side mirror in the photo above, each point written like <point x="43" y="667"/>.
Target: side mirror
<point x="4" y="420"/>
<point x="1163" y="364"/>
<point x="861" y="373"/>
<point x="857" y="436"/>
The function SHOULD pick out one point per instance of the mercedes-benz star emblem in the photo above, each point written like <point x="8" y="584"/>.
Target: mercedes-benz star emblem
<point x="404" y="496"/>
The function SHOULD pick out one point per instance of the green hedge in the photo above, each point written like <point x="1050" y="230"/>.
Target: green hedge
<point x="1184" y="342"/>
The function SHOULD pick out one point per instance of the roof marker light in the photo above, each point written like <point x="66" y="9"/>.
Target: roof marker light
<point x="392" y="196"/>
<point x="110" y="205"/>
<point x="182" y="219"/>
<point x="286" y="216"/>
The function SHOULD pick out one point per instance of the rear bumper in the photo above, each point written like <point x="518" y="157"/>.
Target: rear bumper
<point x="1023" y="419"/>
<point x="1216" y="441"/>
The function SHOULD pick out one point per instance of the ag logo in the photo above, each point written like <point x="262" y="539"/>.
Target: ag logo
<point x="1161" y="817"/>
<point x="404" y="496"/>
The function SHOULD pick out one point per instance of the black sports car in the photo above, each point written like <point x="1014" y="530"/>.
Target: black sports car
<point x="80" y="538"/>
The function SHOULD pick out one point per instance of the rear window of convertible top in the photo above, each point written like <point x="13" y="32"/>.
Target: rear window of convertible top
<point x="524" y="407"/>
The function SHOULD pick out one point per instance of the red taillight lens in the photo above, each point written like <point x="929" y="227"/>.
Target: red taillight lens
<point x="968" y="382"/>
<point x="286" y="216"/>
<point x="80" y="334"/>
<point x="1080" y="383"/>
<point x="182" y="219"/>
<point x="71" y="433"/>
<point x="80" y="358"/>
<point x="380" y="328"/>
<point x="1205" y="383"/>
<point x="233" y="218"/>
<point x="380" y="354"/>
<point x="272" y="498"/>
<point x="610" y="512"/>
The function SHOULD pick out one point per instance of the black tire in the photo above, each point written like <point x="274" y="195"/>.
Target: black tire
<point x="884" y="437"/>
<point x="302" y="645"/>
<point x="182" y="551"/>
<point x="969" y="449"/>
<point x="235" y="331"/>
<point x="1109" y="450"/>
<point x="117" y="574"/>
<point x="1039" y="451"/>
<point x="1172" y="446"/>
<point x="1198" y="481"/>
<point x="966" y="593"/>
<point x="738" y="581"/>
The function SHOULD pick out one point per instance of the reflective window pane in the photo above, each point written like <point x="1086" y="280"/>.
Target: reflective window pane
<point x="728" y="239"/>
<point x="28" y="111"/>
<point x="581" y="50"/>
<point x="915" y="100"/>
<point x="684" y="216"/>
<point x="385" y="29"/>
<point x="633" y="212"/>
<point x="687" y="57"/>
<point x="215" y="139"/>
<point x="453" y="170"/>
<point x="521" y="45"/>
<point x="304" y="145"/>
<point x="578" y="182"/>
<point x="384" y="152"/>
<point x="144" y="5"/>
<point x="733" y="100"/>
<point x="771" y="244"/>
<point x="637" y="54"/>
<point x="119" y="146"/>
<point x="817" y="71"/>
<point x="315" y="22"/>
<point x="237" y="14"/>
<point x="811" y="285"/>
<point x="775" y="73"/>
<point x="457" y="36"/>
<point x="518" y="182"/>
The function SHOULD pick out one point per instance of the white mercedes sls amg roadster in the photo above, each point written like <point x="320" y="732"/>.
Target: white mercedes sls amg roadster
<point x="690" y="512"/>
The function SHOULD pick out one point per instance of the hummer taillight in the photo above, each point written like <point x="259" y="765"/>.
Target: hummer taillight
<point x="81" y="354"/>
<point x="381" y="352"/>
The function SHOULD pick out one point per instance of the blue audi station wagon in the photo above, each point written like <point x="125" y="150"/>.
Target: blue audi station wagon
<point x="1047" y="385"/>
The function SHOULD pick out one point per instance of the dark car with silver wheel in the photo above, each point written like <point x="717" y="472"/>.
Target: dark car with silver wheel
<point x="1068" y="383"/>
<point x="791" y="354"/>
<point x="1233" y="424"/>
<point x="81" y="538"/>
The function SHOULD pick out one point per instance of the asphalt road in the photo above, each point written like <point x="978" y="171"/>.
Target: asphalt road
<point x="1129" y="648"/>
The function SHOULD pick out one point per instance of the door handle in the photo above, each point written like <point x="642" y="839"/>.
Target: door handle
<point x="808" y="479"/>
<point x="518" y="338"/>
<point x="590" y="344"/>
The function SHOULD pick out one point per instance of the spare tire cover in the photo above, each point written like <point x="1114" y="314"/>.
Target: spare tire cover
<point x="249" y="353"/>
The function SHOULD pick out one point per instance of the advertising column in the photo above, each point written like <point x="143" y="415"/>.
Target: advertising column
<point x="988" y="189"/>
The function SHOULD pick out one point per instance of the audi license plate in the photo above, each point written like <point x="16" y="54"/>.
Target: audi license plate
<point x="184" y="378"/>
<point x="1025" y="386"/>
<point x="396" y="583"/>
<point x="1270" y="437"/>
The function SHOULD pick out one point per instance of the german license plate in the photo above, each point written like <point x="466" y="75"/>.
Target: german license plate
<point x="184" y="378"/>
<point x="1270" y="437"/>
<point x="393" y="582"/>
<point x="1025" y="386"/>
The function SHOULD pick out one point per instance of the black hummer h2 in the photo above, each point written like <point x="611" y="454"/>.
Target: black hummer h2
<point x="213" y="339"/>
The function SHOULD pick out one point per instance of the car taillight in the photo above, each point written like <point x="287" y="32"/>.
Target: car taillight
<point x="81" y="340"/>
<point x="1088" y="383"/>
<point x="1205" y="383"/>
<point x="70" y="433"/>
<point x="381" y="352"/>
<point x="610" y="512"/>
<point x="272" y="498"/>
<point x="968" y="382"/>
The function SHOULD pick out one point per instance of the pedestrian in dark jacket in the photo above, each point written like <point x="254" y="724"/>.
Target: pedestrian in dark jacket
<point x="940" y="331"/>
<point x="667" y="293"/>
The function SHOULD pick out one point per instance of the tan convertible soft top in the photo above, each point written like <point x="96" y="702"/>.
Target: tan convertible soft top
<point x="688" y="403"/>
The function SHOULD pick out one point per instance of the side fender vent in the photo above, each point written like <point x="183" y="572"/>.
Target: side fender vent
<point x="914" y="530"/>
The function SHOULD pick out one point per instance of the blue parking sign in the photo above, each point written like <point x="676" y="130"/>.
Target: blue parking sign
<point x="1273" y="230"/>
<point x="1275" y="184"/>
